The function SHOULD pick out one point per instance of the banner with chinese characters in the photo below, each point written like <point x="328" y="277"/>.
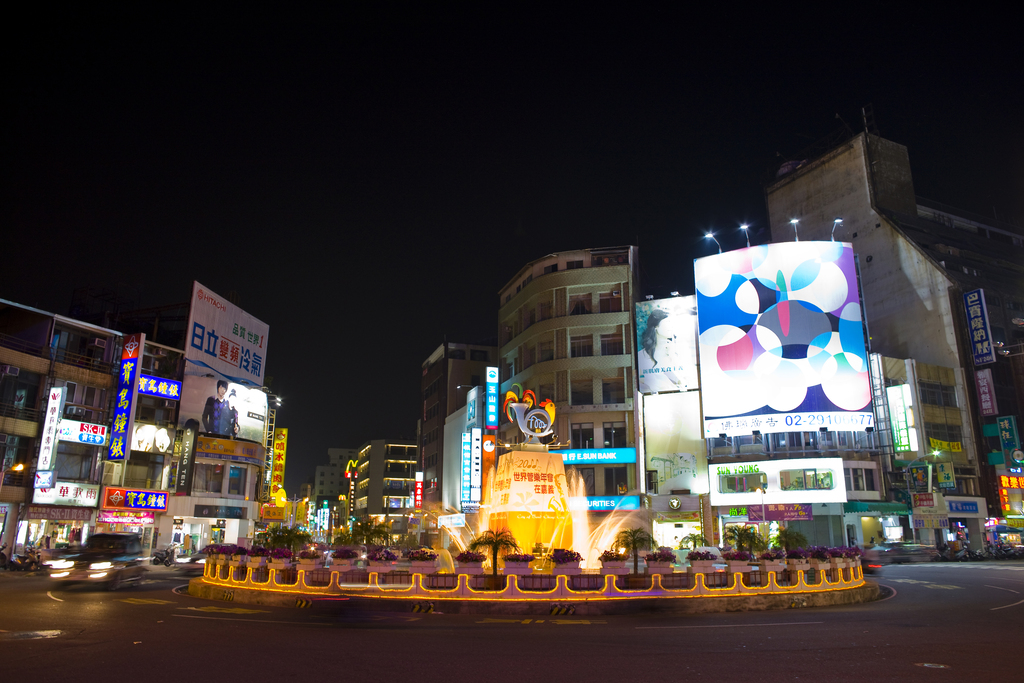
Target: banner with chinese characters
<point x="491" y="410"/>
<point x="940" y="445"/>
<point x="160" y="387"/>
<point x="945" y="475"/>
<point x="68" y="493"/>
<point x="230" y="449"/>
<point x="124" y="400"/>
<point x="530" y="496"/>
<point x="122" y="517"/>
<point x="115" y="498"/>
<point x="224" y="338"/>
<point x="977" y="327"/>
<point x="280" y="453"/>
<point x="59" y="513"/>
<point x="1008" y="435"/>
<point x="271" y="513"/>
<point x="986" y="392"/>
<point x="82" y="432"/>
<point x="786" y="512"/>
<point x="48" y="438"/>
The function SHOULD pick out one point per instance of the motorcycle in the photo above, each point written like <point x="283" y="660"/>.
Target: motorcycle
<point x="165" y="556"/>
<point x="28" y="562"/>
<point x="3" y="556"/>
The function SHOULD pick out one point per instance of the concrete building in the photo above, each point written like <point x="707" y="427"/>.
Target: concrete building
<point x="329" y="480"/>
<point x="384" y="487"/>
<point x="566" y="332"/>
<point x="448" y="374"/>
<point x="917" y="259"/>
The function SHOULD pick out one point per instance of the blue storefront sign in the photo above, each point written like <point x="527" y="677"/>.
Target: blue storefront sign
<point x="158" y="386"/>
<point x="491" y="386"/>
<point x="962" y="506"/>
<point x="467" y="457"/>
<point x="124" y="401"/>
<point x="978" y="329"/>
<point x="607" y="503"/>
<point x="599" y="456"/>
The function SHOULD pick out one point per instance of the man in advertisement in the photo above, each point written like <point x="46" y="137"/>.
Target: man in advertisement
<point x="218" y="415"/>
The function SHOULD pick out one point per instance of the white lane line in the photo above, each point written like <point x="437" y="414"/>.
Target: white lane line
<point x="1021" y="602"/>
<point x="258" y="621"/>
<point x="999" y="588"/>
<point x="781" y="623"/>
<point x="890" y="588"/>
<point x="48" y="594"/>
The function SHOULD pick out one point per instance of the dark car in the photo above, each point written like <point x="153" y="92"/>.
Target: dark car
<point x="193" y="565"/>
<point x="113" y="560"/>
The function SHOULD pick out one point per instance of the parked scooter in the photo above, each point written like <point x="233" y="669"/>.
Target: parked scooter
<point x="166" y="556"/>
<point x="30" y="561"/>
<point x="3" y="556"/>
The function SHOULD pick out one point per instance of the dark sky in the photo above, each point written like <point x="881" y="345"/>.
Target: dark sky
<point x="367" y="179"/>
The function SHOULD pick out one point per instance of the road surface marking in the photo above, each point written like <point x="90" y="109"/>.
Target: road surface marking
<point x="945" y="586"/>
<point x="29" y="635"/>
<point x="227" y="610"/>
<point x="1005" y="606"/>
<point x="1000" y="588"/>
<point x="890" y="588"/>
<point x="255" y="621"/>
<point x="781" y="623"/>
<point x="146" y="601"/>
<point x="576" y="621"/>
<point x="49" y="595"/>
<point x="499" y="621"/>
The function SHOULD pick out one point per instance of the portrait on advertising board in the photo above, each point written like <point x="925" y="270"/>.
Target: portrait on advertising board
<point x="781" y="340"/>
<point x="666" y="348"/>
<point x="217" y="406"/>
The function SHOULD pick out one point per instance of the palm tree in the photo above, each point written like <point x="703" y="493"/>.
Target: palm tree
<point x="790" y="538"/>
<point x="634" y="540"/>
<point x="745" y="537"/>
<point x="370" y="532"/>
<point x="500" y="541"/>
<point x="287" y="537"/>
<point x="694" y="541"/>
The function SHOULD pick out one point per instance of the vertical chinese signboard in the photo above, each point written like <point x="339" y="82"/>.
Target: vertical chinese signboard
<point x="48" y="439"/>
<point x="476" y="472"/>
<point x="986" y="392"/>
<point x="418" y="492"/>
<point x="901" y="417"/>
<point x="977" y="327"/>
<point x="124" y="401"/>
<point x="186" y="462"/>
<point x="280" y="451"/>
<point x="1008" y="436"/>
<point x="491" y="386"/>
<point x="467" y="450"/>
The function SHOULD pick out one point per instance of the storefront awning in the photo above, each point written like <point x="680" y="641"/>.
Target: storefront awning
<point x="880" y="508"/>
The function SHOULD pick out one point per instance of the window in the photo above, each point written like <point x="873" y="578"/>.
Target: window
<point x="553" y="268"/>
<point x="236" y="481"/>
<point x="583" y="435"/>
<point x="478" y="354"/>
<point x="613" y="390"/>
<point x="580" y="347"/>
<point x="610" y="303"/>
<point x="943" y="432"/>
<point x="546" y="391"/>
<point x="587" y="475"/>
<point x="860" y="479"/>
<point x="457" y="354"/>
<point x="615" y="483"/>
<point x="580" y="304"/>
<point x="208" y="478"/>
<point x="474" y="380"/>
<point x="614" y="434"/>
<point x="582" y="392"/>
<point x="869" y="480"/>
<point x="545" y="310"/>
<point x="573" y="265"/>
<point x="611" y="344"/>
<point x="936" y="394"/>
<point x="545" y="351"/>
<point x="745" y="483"/>
<point x="806" y="480"/>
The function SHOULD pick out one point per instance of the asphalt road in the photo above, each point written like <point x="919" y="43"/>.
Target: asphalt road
<point x="945" y="622"/>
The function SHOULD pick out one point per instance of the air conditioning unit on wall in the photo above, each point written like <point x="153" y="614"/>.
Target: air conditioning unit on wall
<point x="10" y="370"/>
<point x="98" y="343"/>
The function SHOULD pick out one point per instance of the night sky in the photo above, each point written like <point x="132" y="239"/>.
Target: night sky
<point x="366" y="180"/>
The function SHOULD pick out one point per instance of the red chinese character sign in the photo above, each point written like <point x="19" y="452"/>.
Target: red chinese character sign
<point x="115" y="498"/>
<point x="280" y="453"/>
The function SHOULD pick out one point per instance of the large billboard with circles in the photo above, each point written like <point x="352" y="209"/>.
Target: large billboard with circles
<point x="781" y="340"/>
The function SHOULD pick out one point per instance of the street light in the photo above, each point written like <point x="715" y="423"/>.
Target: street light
<point x="836" y="222"/>
<point x="711" y="236"/>
<point x="794" y="223"/>
<point x="746" y="234"/>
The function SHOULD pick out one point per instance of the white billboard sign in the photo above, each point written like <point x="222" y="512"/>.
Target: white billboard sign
<point x="666" y="353"/>
<point x="799" y="480"/>
<point x="82" y="432"/>
<point x="224" y="338"/>
<point x="70" y="493"/>
<point x="476" y="471"/>
<point x="48" y="437"/>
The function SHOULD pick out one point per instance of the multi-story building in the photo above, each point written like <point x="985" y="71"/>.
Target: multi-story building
<point x="385" y="483"/>
<point x="565" y="330"/>
<point x="917" y="262"/>
<point x="448" y="375"/>
<point x="329" y="480"/>
<point x="41" y="352"/>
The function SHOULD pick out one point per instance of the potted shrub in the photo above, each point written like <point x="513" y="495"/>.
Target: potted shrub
<point x="820" y="556"/>
<point x="798" y="559"/>
<point x="238" y="555"/>
<point x="470" y="562"/>
<point x="381" y="557"/>
<point x="423" y="561"/>
<point x="344" y="557"/>
<point x="613" y="562"/>
<point x="774" y="560"/>
<point x="738" y="560"/>
<point x="660" y="561"/>
<point x="308" y="560"/>
<point x="518" y="564"/>
<point x="701" y="561"/>
<point x="280" y="558"/>
<point x="257" y="556"/>
<point x="215" y="552"/>
<point x="852" y="555"/>
<point x="566" y="562"/>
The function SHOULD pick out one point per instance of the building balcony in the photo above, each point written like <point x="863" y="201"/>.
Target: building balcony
<point x="574" y="322"/>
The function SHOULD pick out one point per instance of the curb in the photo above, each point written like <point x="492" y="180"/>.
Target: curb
<point x="869" y="592"/>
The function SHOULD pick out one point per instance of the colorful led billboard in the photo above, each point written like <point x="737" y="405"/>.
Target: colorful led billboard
<point x="781" y="340"/>
<point x="666" y="344"/>
<point x="217" y="406"/>
<point x="224" y="338"/>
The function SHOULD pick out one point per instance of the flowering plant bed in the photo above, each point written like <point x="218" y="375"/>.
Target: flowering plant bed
<point x="660" y="555"/>
<point x="820" y="553"/>
<point x="240" y="551"/>
<point x="773" y="554"/>
<point x="258" y="551"/>
<point x="612" y="556"/>
<point x="519" y="557"/>
<point x="562" y="556"/>
<point x="280" y="554"/>
<point x="470" y="556"/>
<point x="850" y="552"/>
<point x="310" y="555"/>
<point x="381" y="555"/>
<point x="422" y="556"/>
<point x="701" y="556"/>
<point x="798" y="554"/>
<point x="737" y="556"/>
<point x="344" y="554"/>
